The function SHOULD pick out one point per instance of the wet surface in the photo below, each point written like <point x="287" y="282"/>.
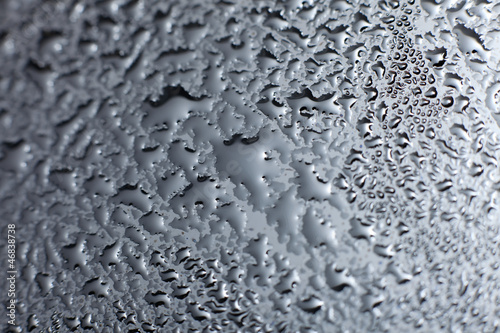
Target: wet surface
<point x="235" y="166"/>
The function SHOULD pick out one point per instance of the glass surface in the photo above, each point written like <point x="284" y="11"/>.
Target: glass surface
<point x="249" y="166"/>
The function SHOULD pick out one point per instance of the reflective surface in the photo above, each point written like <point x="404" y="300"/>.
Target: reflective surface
<point x="237" y="166"/>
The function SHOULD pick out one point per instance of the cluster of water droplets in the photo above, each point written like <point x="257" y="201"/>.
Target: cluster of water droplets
<point x="223" y="166"/>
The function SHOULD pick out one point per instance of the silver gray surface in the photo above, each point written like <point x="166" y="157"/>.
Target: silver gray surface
<point x="251" y="166"/>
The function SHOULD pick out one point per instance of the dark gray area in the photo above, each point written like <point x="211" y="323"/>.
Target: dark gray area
<point x="250" y="166"/>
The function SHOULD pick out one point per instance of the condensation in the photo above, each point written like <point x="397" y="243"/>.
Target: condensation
<point x="251" y="166"/>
